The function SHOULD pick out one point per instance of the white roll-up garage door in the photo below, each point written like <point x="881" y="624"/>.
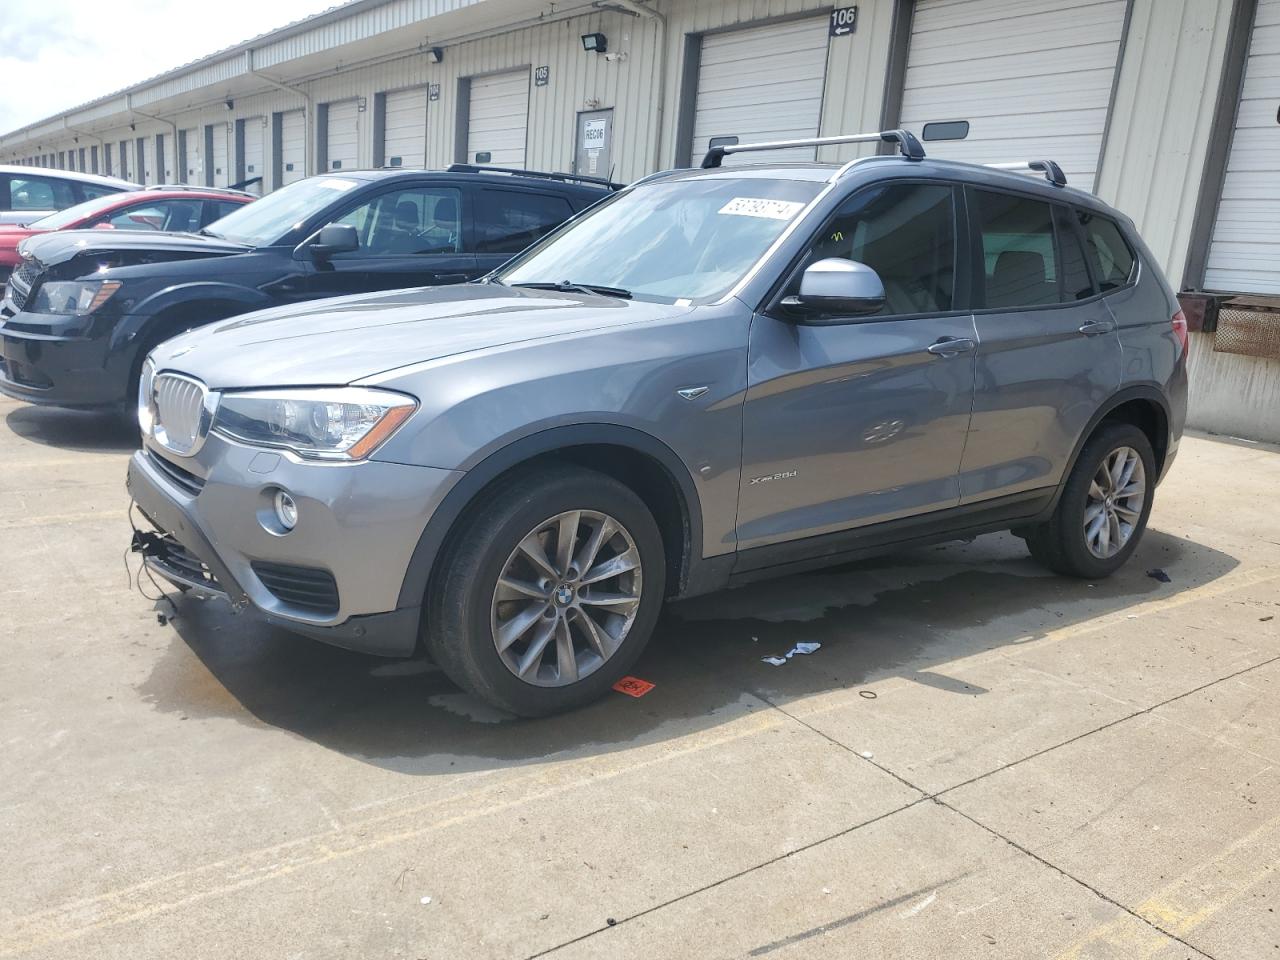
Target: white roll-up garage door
<point x="1244" y="253"/>
<point x="1032" y="77"/>
<point x="342" y="138"/>
<point x="759" y="84"/>
<point x="293" y="147"/>
<point x="192" y="141"/>
<point x="150" y="173"/>
<point x="498" y="119"/>
<point x="255" y="154"/>
<point x="404" y="141"/>
<point x="221" y="169"/>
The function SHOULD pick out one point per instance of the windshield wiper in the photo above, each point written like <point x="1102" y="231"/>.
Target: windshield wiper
<point x="568" y="286"/>
<point x="206" y="232"/>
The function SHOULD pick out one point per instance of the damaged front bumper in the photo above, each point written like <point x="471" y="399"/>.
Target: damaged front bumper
<point x="179" y="551"/>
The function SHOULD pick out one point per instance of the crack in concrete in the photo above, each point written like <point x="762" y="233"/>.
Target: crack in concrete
<point x="935" y="798"/>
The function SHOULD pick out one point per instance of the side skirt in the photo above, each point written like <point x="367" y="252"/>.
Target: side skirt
<point x="954" y="523"/>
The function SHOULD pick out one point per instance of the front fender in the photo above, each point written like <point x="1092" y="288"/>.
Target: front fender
<point x="498" y="462"/>
<point x="197" y="299"/>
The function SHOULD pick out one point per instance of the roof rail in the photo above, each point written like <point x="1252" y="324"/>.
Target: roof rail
<point x="907" y="143"/>
<point x="512" y="171"/>
<point x="197" y="188"/>
<point x="1052" y="172"/>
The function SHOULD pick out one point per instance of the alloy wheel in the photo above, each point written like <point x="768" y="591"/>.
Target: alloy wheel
<point x="1117" y="495"/>
<point x="566" y="598"/>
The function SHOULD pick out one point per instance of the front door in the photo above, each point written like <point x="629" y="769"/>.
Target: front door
<point x="865" y="421"/>
<point x="412" y="236"/>
<point x="1048" y="353"/>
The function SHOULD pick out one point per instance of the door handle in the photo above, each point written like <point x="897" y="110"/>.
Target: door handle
<point x="951" y="346"/>
<point x="1096" y="327"/>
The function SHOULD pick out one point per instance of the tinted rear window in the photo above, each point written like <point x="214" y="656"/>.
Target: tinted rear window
<point x="1019" y="259"/>
<point x="507" y="221"/>
<point x="1109" y="253"/>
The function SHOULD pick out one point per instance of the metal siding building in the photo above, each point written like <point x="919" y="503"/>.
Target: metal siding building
<point x="1165" y="108"/>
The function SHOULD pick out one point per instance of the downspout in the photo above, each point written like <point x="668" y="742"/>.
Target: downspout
<point x="640" y="10"/>
<point x="308" y="110"/>
<point x="128" y="102"/>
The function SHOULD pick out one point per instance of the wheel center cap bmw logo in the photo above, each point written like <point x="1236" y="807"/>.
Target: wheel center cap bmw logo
<point x="564" y="594"/>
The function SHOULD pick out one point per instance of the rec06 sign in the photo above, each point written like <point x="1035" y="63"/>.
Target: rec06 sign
<point x="844" y="20"/>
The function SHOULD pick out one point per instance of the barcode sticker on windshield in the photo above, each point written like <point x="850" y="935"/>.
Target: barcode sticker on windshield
<point x="757" y="207"/>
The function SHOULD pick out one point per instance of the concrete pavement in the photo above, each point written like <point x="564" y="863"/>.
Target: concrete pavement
<point x="982" y="760"/>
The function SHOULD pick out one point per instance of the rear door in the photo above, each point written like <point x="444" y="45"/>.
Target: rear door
<point x="410" y="236"/>
<point x="1048" y="350"/>
<point x="861" y="422"/>
<point x="507" y="221"/>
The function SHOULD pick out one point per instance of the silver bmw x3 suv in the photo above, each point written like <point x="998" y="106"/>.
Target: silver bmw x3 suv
<point x="713" y="376"/>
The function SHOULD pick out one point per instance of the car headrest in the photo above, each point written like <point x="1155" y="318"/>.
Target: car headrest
<point x="406" y="215"/>
<point x="1019" y="267"/>
<point x="446" y="210"/>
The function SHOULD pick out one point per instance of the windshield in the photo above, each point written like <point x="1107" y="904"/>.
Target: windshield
<point x="64" y="218"/>
<point x="685" y="239"/>
<point x="267" y="221"/>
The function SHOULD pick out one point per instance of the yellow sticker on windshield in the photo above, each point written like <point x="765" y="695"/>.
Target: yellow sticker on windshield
<point x="759" y="207"/>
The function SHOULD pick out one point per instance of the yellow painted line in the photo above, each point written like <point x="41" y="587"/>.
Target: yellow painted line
<point x="164" y="894"/>
<point x="1187" y="902"/>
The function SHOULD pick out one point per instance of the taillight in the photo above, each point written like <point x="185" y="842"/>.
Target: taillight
<point x="1180" y="330"/>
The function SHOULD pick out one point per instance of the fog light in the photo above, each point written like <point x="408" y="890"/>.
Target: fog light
<point x="286" y="510"/>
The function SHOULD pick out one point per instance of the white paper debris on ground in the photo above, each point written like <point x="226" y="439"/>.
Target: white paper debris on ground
<point x="425" y="900"/>
<point x="803" y="648"/>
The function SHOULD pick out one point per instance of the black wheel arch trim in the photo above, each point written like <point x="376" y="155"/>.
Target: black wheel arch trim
<point x="1142" y="391"/>
<point x="431" y="542"/>
<point x="157" y="309"/>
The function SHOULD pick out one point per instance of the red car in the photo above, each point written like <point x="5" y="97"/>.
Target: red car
<point x="172" y="209"/>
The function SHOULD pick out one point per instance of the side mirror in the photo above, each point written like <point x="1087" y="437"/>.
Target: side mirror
<point x="834" y="288"/>
<point x="335" y="238"/>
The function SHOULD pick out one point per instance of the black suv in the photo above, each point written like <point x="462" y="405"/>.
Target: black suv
<point x="85" y="307"/>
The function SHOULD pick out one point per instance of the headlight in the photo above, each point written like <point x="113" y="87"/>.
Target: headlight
<point x="75" y="297"/>
<point x="146" y="402"/>
<point x="340" y="423"/>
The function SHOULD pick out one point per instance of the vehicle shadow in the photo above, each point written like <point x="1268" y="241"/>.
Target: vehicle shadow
<point x="86" y="431"/>
<point x="904" y="615"/>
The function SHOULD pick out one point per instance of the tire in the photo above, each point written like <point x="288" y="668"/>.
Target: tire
<point x="1062" y="543"/>
<point x="468" y="613"/>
